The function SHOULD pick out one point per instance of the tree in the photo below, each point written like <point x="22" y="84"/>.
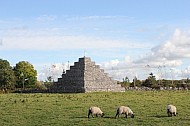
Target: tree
<point x="7" y="77"/>
<point x="26" y="75"/>
<point x="150" y="81"/>
<point x="135" y="82"/>
<point x="125" y="82"/>
<point x="126" y="79"/>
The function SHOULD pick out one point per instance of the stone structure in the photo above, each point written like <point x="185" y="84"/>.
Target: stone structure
<point x="85" y="76"/>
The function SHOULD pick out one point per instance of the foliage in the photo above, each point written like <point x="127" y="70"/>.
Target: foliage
<point x="7" y="77"/>
<point x="136" y="82"/>
<point x="49" y="82"/>
<point x="40" y="85"/>
<point x="71" y="109"/>
<point x="125" y="82"/>
<point x="187" y="81"/>
<point x="26" y="74"/>
<point x="150" y="81"/>
<point x="166" y="83"/>
<point x="126" y="79"/>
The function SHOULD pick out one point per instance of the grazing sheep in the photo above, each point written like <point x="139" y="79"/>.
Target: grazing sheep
<point x="171" y="109"/>
<point x="124" y="110"/>
<point x="95" y="111"/>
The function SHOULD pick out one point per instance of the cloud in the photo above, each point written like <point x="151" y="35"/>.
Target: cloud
<point x="118" y="69"/>
<point x="94" y="17"/>
<point x="45" y="18"/>
<point x="171" y="52"/>
<point x="25" y="40"/>
<point x="176" y="47"/>
<point x="1" y="42"/>
<point x="186" y="72"/>
<point x="164" y="58"/>
<point x="54" y="70"/>
<point x="65" y="34"/>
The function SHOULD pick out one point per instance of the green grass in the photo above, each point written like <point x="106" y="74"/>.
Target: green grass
<point x="72" y="109"/>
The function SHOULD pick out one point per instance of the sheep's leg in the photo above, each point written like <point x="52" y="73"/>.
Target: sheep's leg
<point x="125" y="115"/>
<point x="89" y="112"/>
<point x="168" y="113"/>
<point x="96" y="115"/>
<point x="171" y="114"/>
<point x="117" y="114"/>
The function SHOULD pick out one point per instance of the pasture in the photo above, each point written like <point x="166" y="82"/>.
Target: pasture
<point x="72" y="109"/>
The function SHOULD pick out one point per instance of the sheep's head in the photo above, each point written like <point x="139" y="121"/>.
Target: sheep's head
<point x="102" y="115"/>
<point x="132" y="115"/>
<point x="175" y="114"/>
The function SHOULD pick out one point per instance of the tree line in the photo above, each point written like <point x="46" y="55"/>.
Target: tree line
<point x="152" y="82"/>
<point x="24" y="76"/>
<point x="21" y="76"/>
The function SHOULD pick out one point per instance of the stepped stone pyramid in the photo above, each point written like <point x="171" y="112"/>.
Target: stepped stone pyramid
<point x="85" y="76"/>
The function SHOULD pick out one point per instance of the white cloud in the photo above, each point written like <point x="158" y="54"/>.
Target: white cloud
<point x="27" y="39"/>
<point x="171" y="52"/>
<point x="112" y="63"/>
<point x="54" y="70"/>
<point x="1" y="42"/>
<point x="45" y="18"/>
<point x="94" y="17"/>
<point x="163" y="58"/>
<point x="67" y="35"/>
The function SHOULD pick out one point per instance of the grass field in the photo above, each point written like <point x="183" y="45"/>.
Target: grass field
<point x="72" y="109"/>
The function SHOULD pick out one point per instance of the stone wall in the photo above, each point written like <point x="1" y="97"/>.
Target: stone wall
<point x="85" y="76"/>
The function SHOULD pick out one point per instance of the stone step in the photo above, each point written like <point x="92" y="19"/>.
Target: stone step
<point x="85" y="73"/>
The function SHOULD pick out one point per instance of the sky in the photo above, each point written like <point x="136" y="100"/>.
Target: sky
<point x="125" y="37"/>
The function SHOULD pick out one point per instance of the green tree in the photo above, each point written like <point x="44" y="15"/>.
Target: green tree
<point x="150" y="81"/>
<point x="126" y="79"/>
<point x="7" y="77"/>
<point x="125" y="82"/>
<point x="135" y="82"/>
<point x="26" y="75"/>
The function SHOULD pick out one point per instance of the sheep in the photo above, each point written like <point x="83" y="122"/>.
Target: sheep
<point x="95" y="111"/>
<point x="124" y="110"/>
<point x="171" y="109"/>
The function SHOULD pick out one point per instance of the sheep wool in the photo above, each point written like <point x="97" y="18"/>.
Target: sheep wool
<point x="95" y="111"/>
<point x="171" y="110"/>
<point x="124" y="110"/>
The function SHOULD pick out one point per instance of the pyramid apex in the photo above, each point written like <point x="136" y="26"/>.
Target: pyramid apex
<point x="84" y="59"/>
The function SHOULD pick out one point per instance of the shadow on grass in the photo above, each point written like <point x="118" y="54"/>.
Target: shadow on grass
<point x="107" y="117"/>
<point x="81" y="117"/>
<point x="160" y="116"/>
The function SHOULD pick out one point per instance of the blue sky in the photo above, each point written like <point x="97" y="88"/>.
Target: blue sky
<point x="123" y="36"/>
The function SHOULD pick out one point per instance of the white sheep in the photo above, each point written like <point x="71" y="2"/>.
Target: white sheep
<point x="171" y="109"/>
<point x="124" y="110"/>
<point x="95" y="111"/>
